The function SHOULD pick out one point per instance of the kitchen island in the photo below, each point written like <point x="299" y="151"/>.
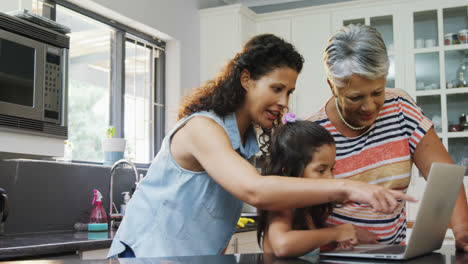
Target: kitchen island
<point x="445" y="255"/>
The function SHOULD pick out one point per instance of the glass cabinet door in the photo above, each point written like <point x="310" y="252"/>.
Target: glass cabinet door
<point x="458" y="149"/>
<point x="431" y="107"/>
<point x="455" y="25"/>
<point x="456" y="43"/>
<point x="426" y="58"/>
<point x="354" y="21"/>
<point x="425" y="29"/>
<point x="456" y="69"/>
<point x="457" y="110"/>
<point x="427" y="71"/>
<point x="384" y="24"/>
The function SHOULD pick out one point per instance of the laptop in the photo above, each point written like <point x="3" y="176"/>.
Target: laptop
<point x="443" y="185"/>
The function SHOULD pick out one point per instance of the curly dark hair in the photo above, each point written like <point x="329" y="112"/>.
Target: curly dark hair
<point x="292" y="147"/>
<point x="225" y="94"/>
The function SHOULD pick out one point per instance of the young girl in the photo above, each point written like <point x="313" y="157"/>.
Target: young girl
<point x="307" y="150"/>
<point x="191" y="197"/>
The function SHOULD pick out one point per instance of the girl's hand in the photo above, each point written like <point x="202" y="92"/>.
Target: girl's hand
<point x="347" y="237"/>
<point x="381" y="199"/>
<point x="365" y="236"/>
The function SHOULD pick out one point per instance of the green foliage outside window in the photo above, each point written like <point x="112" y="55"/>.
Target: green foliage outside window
<point x="88" y="122"/>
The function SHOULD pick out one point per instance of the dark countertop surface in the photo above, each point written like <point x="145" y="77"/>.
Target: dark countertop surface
<point x="27" y="245"/>
<point x="43" y="244"/>
<point x="446" y="255"/>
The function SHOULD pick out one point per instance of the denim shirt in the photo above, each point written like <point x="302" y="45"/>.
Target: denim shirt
<point x="177" y="212"/>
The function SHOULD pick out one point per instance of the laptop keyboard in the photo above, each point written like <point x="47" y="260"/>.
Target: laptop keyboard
<point x="393" y="249"/>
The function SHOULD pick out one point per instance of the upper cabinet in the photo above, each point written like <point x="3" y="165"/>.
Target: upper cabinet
<point x="223" y="31"/>
<point x="309" y="33"/>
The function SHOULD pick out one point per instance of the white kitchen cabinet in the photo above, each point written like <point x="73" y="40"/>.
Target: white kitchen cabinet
<point x="310" y="34"/>
<point x="243" y="243"/>
<point x="94" y="254"/>
<point x="223" y="32"/>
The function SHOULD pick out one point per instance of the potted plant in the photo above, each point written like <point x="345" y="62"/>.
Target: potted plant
<point x="113" y="148"/>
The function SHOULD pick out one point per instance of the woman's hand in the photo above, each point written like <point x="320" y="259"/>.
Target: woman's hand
<point x="347" y="237"/>
<point x="365" y="236"/>
<point x="381" y="199"/>
<point x="461" y="240"/>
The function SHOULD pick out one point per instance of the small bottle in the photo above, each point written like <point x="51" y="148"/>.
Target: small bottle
<point x="123" y="206"/>
<point x="98" y="218"/>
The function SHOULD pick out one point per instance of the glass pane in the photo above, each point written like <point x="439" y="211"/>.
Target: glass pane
<point x="88" y="87"/>
<point x="425" y="29"/>
<point x="431" y="107"/>
<point x="427" y="71"/>
<point x="455" y="25"/>
<point x="138" y="87"/>
<point x="391" y="73"/>
<point x="354" y="21"/>
<point x="17" y="73"/>
<point x="37" y="6"/>
<point x="457" y="109"/>
<point x="458" y="149"/>
<point x="384" y="25"/>
<point x="456" y="68"/>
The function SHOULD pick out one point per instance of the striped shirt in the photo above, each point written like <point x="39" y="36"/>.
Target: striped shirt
<point x="382" y="155"/>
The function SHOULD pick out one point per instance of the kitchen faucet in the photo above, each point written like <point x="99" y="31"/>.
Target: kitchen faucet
<point x="113" y="169"/>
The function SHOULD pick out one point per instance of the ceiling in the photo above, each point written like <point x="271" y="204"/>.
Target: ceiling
<point x="252" y="3"/>
<point x="264" y="6"/>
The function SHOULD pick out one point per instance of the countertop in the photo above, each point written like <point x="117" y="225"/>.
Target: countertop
<point x="28" y="245"/>
<point x="446" y="255"/>
<point x="42" y="244"/>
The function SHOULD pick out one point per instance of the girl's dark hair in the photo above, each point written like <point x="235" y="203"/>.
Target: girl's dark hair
<point x="224" y="94"/>
<point x="292" y="147"/>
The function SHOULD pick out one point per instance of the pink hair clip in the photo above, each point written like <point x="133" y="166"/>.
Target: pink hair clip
<point x="289" y="117"/>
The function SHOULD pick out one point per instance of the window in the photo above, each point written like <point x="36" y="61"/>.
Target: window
<point x="139" y="80"/>
<point x="112" y="81"/>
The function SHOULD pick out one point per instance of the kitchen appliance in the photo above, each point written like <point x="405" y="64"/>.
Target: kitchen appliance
<point x="33" y="78"/>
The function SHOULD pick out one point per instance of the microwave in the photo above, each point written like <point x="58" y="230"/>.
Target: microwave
<point x="33" y="78"/>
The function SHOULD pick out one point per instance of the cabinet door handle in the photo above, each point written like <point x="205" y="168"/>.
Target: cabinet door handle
<point x="236" y="247"/>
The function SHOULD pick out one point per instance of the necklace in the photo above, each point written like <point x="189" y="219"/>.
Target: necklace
<point x="344" y="121"/>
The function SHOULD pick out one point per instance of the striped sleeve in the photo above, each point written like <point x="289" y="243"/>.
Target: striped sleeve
<point x="416" y="124"/>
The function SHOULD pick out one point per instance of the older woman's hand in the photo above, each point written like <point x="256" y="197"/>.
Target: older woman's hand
<point x="381" y="199"/>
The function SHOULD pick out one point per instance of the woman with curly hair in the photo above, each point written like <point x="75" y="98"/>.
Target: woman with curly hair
<point x="191" y="198"/>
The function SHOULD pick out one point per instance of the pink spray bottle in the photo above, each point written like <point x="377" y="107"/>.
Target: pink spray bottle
<point x="98" y="218"/>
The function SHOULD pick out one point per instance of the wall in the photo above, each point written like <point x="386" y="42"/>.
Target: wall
<point x="11" y="5"/>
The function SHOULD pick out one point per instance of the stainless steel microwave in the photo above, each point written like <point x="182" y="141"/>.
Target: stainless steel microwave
<point x="33" y="78"/>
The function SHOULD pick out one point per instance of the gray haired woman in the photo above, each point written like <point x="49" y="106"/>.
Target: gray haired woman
<point x="379" y="134"/>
